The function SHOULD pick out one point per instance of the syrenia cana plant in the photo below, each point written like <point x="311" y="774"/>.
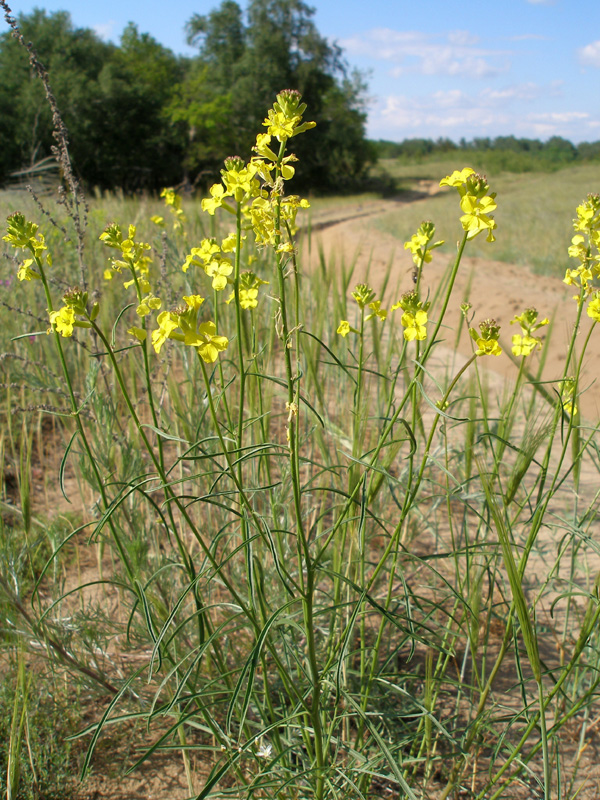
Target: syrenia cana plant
<point x="339" y="532"/>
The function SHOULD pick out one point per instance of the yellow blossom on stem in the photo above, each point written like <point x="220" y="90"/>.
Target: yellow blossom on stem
<point x="414" y="318"/>
<point x="420" y="244"/>
<point x="379" y="312"/>
<point x="344" y="328"/>
<point x="248" y="290"/>
<point x="414" y="325"/>
<point x="525" y="343"/>
<point x="208" y="343"/>
<point x="168" y="322"/>
<point x="487" y="339"/>
<point x="593" y="309"/>
<point x="363" y="294"/>
<point x="149" y="303"/>
<point x="25" y="273"/>
<point x="476" y="217"/>
<point x="63" y="321"/>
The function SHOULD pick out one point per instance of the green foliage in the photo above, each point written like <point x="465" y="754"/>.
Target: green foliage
<point x="242" y="66"/>
<point x="502" y="154"/>
<point x="184" y="115"/>
<point x="44" y="765"/>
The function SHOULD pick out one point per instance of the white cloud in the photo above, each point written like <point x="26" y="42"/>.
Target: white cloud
<point x="590" y="54"/>
<point x="489" y="112"/>
<point x="454" y="53"/>
<point x="104" y="29"/>
<point x="524" y="37"/>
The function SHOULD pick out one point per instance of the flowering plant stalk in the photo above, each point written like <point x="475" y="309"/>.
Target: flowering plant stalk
<point x="317" y="529"/>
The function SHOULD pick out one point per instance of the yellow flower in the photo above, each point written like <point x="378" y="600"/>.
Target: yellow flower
<point x="218" y="271"/>
<point x="487" y="340"/>
<point x="207" y="342"/>
<point x="593" y="309"/>
<point x="525" y="344"/>
<point x="25" y="273"/>
<point x="217" y="196"/>
<point x="168" y="322"/>
<point x="63" y="321"/>
<point x="344" y="328"/>
<point x="377" y="311"/>
<point x="414" y="325"/>
<point x="148" y="304"/>
<point x="249" y="285"/>
<point x="193" y="301"/>
<point x="476" y="219"/>
<point x="458" y="177"/>
<point x="414" y="318"/>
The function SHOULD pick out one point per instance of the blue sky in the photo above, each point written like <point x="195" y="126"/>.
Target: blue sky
<point x="435" y="67"/>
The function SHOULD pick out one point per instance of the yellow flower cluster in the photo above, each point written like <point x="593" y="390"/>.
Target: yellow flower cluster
<point x="487" y="339"/>
<point x="420" y="244"/>
<point x="208" y="257"/>
<point x="585" y="247"/>
<point x="183" y="325"/>
<point x="414" y="318"/>
<point x="475" y="202"/>
<point x="23" y="235"/>
<point x="249" y="284"/>
<point x="133" y="258"/>
<point x="525" y="343"/>
<point x="65" y="319"/>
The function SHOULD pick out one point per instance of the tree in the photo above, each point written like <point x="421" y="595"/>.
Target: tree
<point x="243" y="65"/>
<point x="112" y="100"/>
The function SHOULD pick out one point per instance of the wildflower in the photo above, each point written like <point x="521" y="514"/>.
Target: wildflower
<point x="63" y="321"/>
<point x="248" y="290"/>
<point x="344" y="328"/>
<point x="420" y="245"/>
<point x="475" y="202"/>
<point x="414" y="318"/>
<point x="207" y="342"/>
<point x="284" y="120"/>
<point x="168" y="322"/>
<point x="458" y="179"/>
<point x="363" y="294"/>
<point x="487" y="339"/>
<point x="148" y="304"/>
<point x="25" y="273"/>
<point x="476" y="217"/>
<point x="216" y="199"/>
<point x="525" y="343"/>
<point x="264" y="750"/>
<point x="593" y="309"/>
<point x="379" y="312"/>
<point x="219" y="270"/>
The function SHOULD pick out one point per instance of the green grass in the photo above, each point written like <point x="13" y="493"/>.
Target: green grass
<point x="534" y="213"/>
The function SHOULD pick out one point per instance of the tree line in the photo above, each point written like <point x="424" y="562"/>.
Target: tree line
<point x="141" y="117"/>
<point x="502" y="152"/>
